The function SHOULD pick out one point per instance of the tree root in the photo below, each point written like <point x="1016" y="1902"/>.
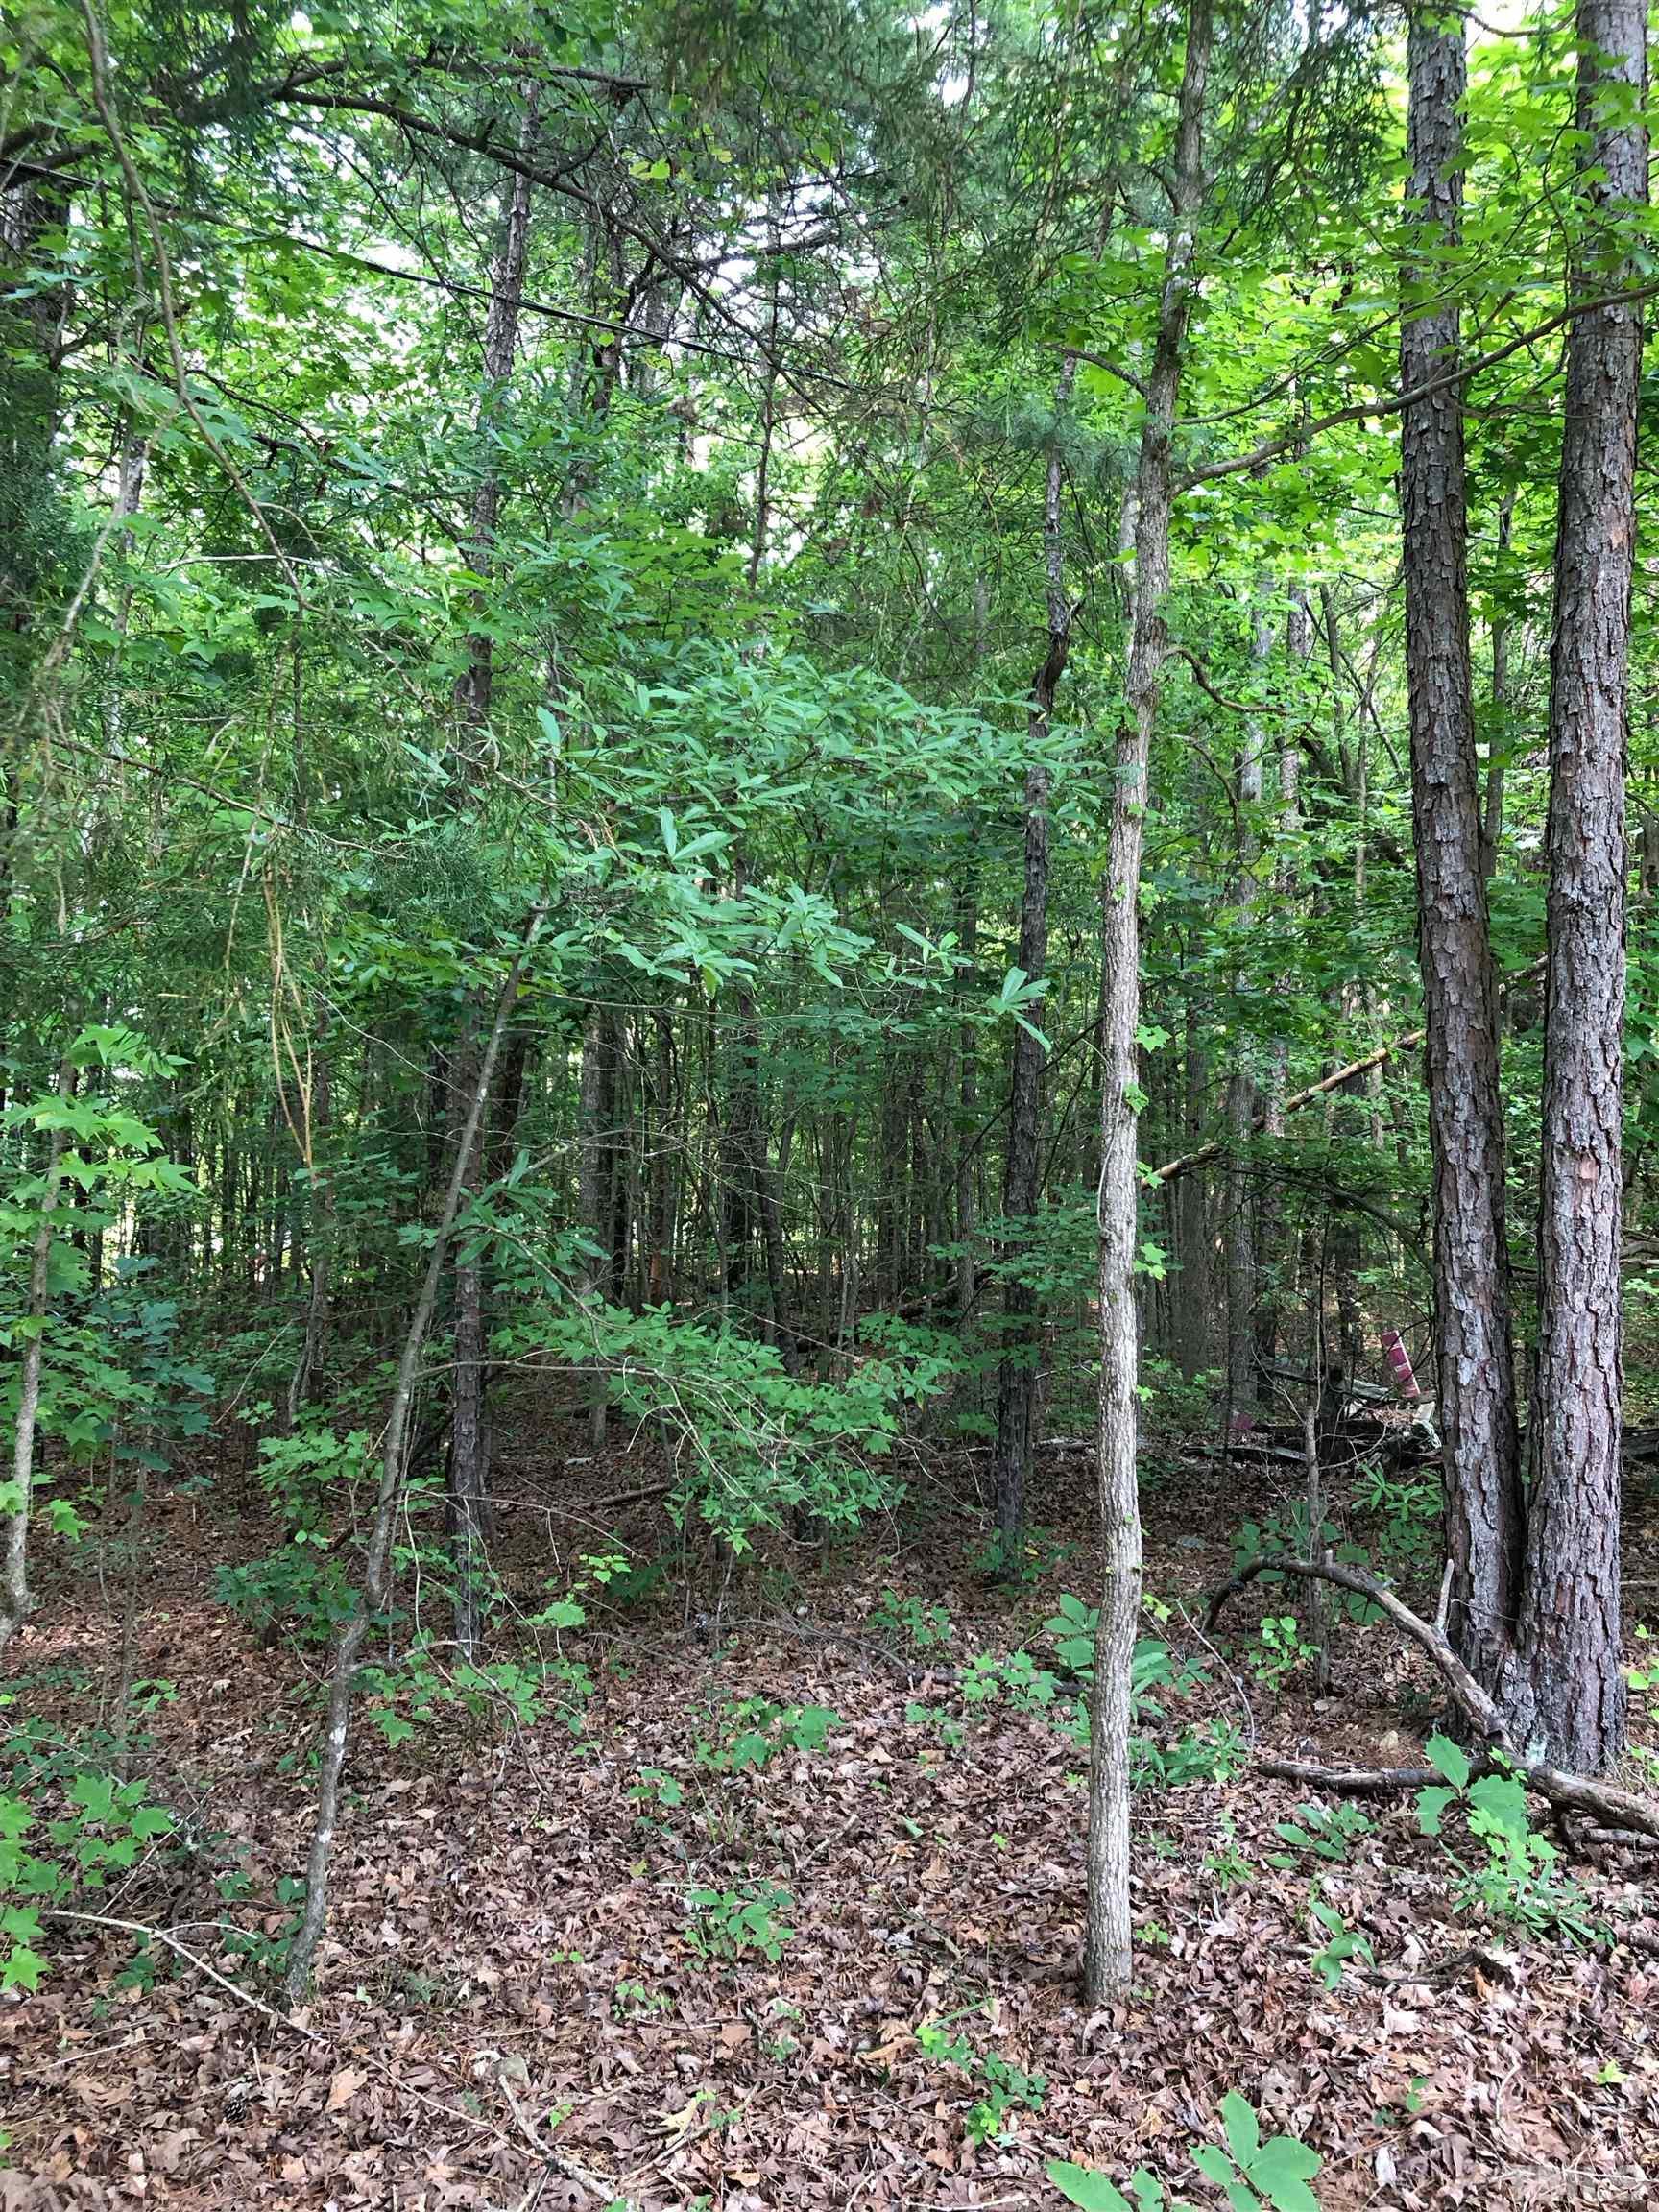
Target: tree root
<point x="1605" y="1807"/>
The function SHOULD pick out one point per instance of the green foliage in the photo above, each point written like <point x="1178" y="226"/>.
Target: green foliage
<point x="1326" y="1831"/>
<point x="752" y="1444"/>
<point x="731" y="1923"/>
<point x="68" y="1830"/>
<point x="923" y="1627"/>
<point x="1342" y="1943"/>
<point x="424" y="1683"/>
<point x="1408" y="1509"/>
<point x="1284" y="1650"/>
<point x="1253" y="2172"/>
<point x="1208" y="1752"/>
<point x="1287" y="1531"/>
<point x="1515" y="1875"/>
<point x="747" y="1734"/>
<point x="1001" y="2087"/>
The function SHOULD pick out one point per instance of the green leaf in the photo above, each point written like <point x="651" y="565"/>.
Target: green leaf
<point x="22" y="1969"/>
<point x="1449" y="1759"/>
<point x="1085" y="2186"/>
<point x="1502" y="1802"/>
<point x="1215" y="2164"/>
<point x="1431" y="1807"/>
<point x="1243" y="2132"/>
<point x="1281" y="2169"/>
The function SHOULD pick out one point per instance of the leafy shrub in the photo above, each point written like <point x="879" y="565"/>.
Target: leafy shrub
<point x="754" y="1731"/>
<point x="727" y="1923"/>
<point x="1213" y="1752"/>
<point x="66" y="1830"/>
<point x="1326" y="1830"/>
<point x="751" y="1444"/>
<point x="1285" y="1650"/>
<point x="1003" y="2086"/>
<point x="1515" y="1877"/>
<point x="1408" y="1509"/>
<point x="1342" y="1943"/>
<point x="923" y="1627"/>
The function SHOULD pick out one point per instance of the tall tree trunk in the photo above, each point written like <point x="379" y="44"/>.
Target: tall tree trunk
<point x="320" y="1240"/>
<point x="1243" y="1396"/>
<point x="967" y="1225"/>
<point x="1573" y="1697"/>
<point x="1107" y="1954"/>
<point x="468" y="1473"/>
<point x="1476" y="1385"/>
<point x="1022" y="1342"/>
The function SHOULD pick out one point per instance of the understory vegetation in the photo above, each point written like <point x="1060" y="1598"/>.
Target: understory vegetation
<point x="829" y="1037"/>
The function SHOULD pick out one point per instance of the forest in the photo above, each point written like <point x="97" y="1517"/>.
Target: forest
<point x="828" y="1106"/>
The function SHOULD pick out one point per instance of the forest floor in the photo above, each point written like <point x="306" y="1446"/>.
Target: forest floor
<point x="513" y="2011"/>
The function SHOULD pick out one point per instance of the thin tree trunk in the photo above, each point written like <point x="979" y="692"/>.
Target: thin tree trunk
<point x="320" y="1241"/>
<point x="1476" y="1384"/>
<point x="1016" y="1373"/>
<point x="1239" y="1202"/>
<point x="1107" y="1951"/>
<point x="371" y="1600"/>
<point x="468" y="1427"/>
<point x="967" y="1106"/>
<point x="15" y="1602"/>
<point x="1573" y="1697"/>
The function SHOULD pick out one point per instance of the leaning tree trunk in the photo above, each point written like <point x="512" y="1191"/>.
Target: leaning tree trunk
<point x="1570" y="1697"/>
<point x="369" y="1602"/>
<point x="1017" y="1374"/>
<point x="1476" y="1385"/>
<point x="1107" y="1953"/>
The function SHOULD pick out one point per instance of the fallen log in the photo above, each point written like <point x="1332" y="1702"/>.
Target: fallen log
<point x="1606" y="1806"/>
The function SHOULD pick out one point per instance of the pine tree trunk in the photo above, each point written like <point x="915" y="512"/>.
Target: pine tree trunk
<point x="1574" y="1689"/>
<point x="1477" y="1387"/>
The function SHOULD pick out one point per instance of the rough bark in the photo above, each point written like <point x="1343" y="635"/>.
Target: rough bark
<point x="1569" y="1694"/>
<point x="1107" y="1951"/>
<point x="1477" y="1388"/>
